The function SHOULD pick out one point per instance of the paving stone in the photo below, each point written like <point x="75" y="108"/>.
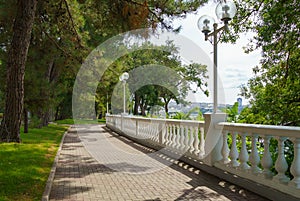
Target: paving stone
<point x="97" y="165"/>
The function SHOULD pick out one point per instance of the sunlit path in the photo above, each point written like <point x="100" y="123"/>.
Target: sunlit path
<point x="83" y="173"/>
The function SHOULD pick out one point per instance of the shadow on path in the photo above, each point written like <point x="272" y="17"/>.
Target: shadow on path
<point x="204" y="186"/>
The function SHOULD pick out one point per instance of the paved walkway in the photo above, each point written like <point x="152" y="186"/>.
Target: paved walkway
<point x="98" y="165"/>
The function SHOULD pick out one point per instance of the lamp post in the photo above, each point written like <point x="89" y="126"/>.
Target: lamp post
<point x="225" y="11"/>
<point x="107" y="112"/>
<point x="123" y="78"/>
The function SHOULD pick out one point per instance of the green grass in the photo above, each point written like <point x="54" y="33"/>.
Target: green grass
<point x="25" y="167"/>
<point x="65" y="121"/>
<point x="80" y="121"/>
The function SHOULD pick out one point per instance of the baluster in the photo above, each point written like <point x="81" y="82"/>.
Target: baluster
<point x="202" y="143"/>
<point x="140" y="130"/>
<point x="158" y="131"/>
<point x="191" y="142"/>
<point x="174" y="137"/>
<point x="182" y="146"/>
<point x="281" y="165"/>
<point x="155" y="136"/>
<point x="153" y="133"/>
<point x="295" y="167"/>
<point x="196" y="142"/>
<point x="234" y="152"/>
<point x="164" y="134"/>
<point x="254" y="157"/>
<point x="170" y="135"/>
<point x="177" y="137"/>
<point x="186" y="138"/>
<point x="244" y="156"/>
<point x="148" y="132"/>
<point x="267" y="161"/>
<point x="225" y="148"/>
<point x="144" y="131"/>
<point x="132" y="128"/>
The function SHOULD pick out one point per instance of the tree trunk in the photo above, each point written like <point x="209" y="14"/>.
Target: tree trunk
<point x="45" y="118"/>
<point x="25" y="120"/>
<point x="17" y="55"/>
<point x="143" y="107"/>
<point x="56" y="114"/>
<point x="136" y="104"/>
<point x="166" y="105"/>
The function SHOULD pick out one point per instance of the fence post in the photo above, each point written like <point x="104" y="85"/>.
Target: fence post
<point x="213" y="138"/>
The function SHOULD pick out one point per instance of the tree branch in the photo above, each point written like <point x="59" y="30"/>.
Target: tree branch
<point x="73" y="24"/>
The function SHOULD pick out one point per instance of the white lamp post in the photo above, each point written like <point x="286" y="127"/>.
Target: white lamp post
<point x="107" y="112"/>
<point x="225" y="11"/>
<point x="123" y="78"/>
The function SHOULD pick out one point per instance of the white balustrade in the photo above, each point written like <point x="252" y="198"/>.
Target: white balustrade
<point x="189" y="137"/>
<point x="260" y="163"/>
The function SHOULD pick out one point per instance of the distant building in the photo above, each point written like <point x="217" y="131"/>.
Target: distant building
<point x="240" y="105"/>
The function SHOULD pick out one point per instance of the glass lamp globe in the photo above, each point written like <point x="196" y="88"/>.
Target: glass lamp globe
<point x="225" y="10"/>
<point x="124" y="77"/>
<point x="206" y="24"/>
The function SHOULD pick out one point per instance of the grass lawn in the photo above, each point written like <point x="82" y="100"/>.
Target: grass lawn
<point x="25" y="167"/>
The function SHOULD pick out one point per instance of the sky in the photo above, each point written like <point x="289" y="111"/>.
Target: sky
<point x="234" y="66"/>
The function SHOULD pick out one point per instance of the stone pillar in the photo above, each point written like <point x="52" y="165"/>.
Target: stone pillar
<point x="213" y="138"/>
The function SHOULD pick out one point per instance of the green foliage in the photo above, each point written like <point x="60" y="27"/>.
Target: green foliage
<point x="25" y="167"/>
<point x="177" y="77"/>
<point x="64" y="33"/>
<point x="232" y="113"/>
<point x="187" y="116"/>
<point x="274" y="89"/>
<point x="247" y="116"/>
<point x="35" y="122"/>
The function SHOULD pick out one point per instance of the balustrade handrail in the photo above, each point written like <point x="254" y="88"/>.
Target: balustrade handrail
<point x="272" y="130"/>
<point x="175" y="121"/>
